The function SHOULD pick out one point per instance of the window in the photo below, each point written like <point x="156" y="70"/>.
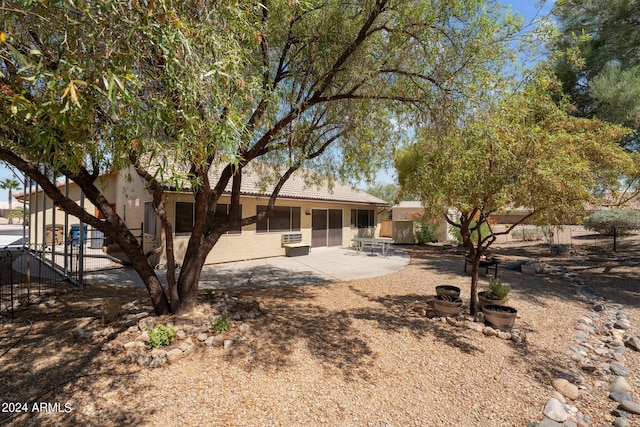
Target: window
<point x="222" y="210"/>
<point x="149" y="224"/>
<point x="185" y="213"/>
<point x="184" y="217"/>
<point x="283" y="219"/>
<point x="363" y="218"/>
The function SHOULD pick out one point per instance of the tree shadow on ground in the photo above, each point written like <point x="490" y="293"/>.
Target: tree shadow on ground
<point x="329" y="337"/>
<point x="403" y="312"/>
<point x="332" y="337"/>
<point x="257" y="277"/>
<point x="52" y="365"/>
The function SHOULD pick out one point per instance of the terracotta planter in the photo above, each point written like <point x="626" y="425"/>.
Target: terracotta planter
<point x="447" y="306"/>
<point x="452" y="291"/>
<point x="483" y="300"/>
<point x="499" y="317"/>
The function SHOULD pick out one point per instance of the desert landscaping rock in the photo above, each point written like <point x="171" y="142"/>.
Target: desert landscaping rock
<point x="633" y="342"/>
<point x="174" y="355"/>
<point x="622" y="324"/>
<point x="620" y="384"/>
<point x="620" y="396"/>
<point x="555" y="411"/>
<point x="630" y="406"/>
<point x="566" y="388"/>
<point x="620" y="369"/>
<point x="621" y="422"/>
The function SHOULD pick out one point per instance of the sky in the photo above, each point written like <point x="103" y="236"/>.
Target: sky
<point x="526" y="8"/>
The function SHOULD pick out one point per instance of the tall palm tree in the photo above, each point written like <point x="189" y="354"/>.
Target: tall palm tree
<point x="10" y="184"/>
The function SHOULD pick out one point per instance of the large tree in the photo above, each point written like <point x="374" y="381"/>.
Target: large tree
<point x="600" y="41"/>
<point x="517" y="150"/>
<point x="175" y="89"/>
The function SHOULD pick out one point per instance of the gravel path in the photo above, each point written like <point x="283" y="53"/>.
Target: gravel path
<point x="354" y="353"/>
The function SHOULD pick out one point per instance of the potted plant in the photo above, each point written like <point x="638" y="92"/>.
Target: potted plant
<point x="497" y="293"/>
<point x="499" y="317"/>
<point x="447" y="306"/>
<point x="449" y="290"/>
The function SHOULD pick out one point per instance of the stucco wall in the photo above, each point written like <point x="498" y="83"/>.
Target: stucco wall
<point x="254" y="245"/>
<point x="128" y="194"/>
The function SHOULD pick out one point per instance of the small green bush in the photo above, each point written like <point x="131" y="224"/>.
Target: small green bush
<point x="424" y="231"/>
<point x="210" y="295"/>
<point x="220" y="325"/>
<point x="528" y="233"/>
<point x="160" y="336"/>
<point x="498" y="290"/>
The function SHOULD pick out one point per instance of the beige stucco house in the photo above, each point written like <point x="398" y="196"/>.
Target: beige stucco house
<point x="317" y="215"/>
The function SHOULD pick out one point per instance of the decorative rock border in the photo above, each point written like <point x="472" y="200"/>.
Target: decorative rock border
<point x="192" y="331"/>
<point x="601" y="340"/>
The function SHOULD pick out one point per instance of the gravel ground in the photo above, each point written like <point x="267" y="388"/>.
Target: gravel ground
<point x="354" y="353"/>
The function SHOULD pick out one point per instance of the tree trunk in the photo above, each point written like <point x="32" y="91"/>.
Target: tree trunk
<point x="189" y="280"/>
<point x="153" y="285"/>
<point x="475" y="267"/>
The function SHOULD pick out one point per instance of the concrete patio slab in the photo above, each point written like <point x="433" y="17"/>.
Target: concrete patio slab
<point x="322" y="265"/>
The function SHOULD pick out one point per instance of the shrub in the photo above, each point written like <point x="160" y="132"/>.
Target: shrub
<point x="529" y="233"/>
<point x="220" y="325"/>
<point x="424" y="231"/>
<point x="210" y="295"/>
<point x="609" y="222"/>
<point x="160" y="336"/>
<point x="498" y="290"/>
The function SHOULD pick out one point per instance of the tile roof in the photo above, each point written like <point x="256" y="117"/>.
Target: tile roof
<point x="259" y="179"/>
<point x="409" y="205"/>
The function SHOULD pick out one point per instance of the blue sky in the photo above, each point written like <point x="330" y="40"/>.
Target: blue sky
<point x="527" y="8"/>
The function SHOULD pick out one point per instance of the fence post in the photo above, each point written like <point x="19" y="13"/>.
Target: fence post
<point x="81" y="245"/>
<point x="11" y="281"/>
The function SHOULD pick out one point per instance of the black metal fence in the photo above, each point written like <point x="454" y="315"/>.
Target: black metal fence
<point x="26" y="279"/>
<point x="32" y="272"/>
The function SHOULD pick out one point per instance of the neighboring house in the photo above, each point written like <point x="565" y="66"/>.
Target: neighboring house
<point x="403" y="216"/>
<point x="318" y="215"/>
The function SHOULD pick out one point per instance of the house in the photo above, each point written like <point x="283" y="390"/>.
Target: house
<point x="318" y="215"/>
<point x="404" y="215"/>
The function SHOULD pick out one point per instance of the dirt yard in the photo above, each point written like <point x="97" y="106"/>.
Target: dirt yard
<point x="352" y="353"/>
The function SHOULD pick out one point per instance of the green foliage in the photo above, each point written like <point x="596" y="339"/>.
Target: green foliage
<point x="522" y="150"/>
<point x="160" y="336"/>
<point x="424" y="231"/>
<point x="616" y="93"/>
<point x="220" y="325"/>
<point x="18" y="213"/>
<point x="599" y="52"/>
<point x="210" y="295"/>
<point x="485" y="232"/>
<point x="611" y="221"/>
<point x="386" y="192"/>
<point x="498" y="290"/>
